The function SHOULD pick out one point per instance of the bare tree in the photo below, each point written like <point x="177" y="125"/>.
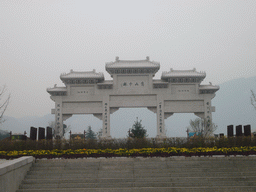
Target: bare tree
<point x="253" y="99"/>
<point x="4" y="101"/>
<point x="99" y="133"/>
<point x="65" y="127"/>
<point x="51" y="124"/>
<point x="202" y="126"/>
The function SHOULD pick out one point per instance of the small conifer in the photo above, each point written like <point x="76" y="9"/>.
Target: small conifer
<point x="137" y="130"/>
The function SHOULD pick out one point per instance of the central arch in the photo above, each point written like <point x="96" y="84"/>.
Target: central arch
<point x="124" y="118"/>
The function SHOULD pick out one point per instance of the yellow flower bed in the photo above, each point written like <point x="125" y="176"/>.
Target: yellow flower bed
<point x="171" y="151"/>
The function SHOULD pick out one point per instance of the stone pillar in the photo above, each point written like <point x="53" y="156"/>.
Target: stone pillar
<point x="160" y="118"/>
<point x="58" y="132"/>
<point x="106" y="118"/>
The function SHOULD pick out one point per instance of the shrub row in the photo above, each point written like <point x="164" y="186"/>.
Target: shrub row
<point x="144" y="152"/>
<point x="128" y="143"/>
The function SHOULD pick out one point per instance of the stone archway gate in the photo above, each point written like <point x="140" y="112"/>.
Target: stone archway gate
<point x="178" y="91"/>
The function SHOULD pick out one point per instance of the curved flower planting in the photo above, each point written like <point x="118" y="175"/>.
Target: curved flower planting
<point x="144" y="152"/>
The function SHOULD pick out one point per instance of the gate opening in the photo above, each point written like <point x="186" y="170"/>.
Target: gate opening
<point x="176" y="125"/>
<point x="123" y="119"/>
<point x="79" y="123"/>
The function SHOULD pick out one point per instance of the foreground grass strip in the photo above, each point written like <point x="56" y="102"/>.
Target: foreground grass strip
<point x="144" y="152"/>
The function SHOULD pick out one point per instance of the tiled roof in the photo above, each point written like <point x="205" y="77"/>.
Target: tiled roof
<point x="79" y="75"/>
<point x="159" y="82"/>
<point x="183" y="73"/>
<point x="106" y="82"/>
<point x="57" y="89"/>
<point x="209" y="87"/>
<point x="133" y="64"/>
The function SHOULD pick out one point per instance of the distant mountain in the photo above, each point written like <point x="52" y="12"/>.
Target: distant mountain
<point x="232" y="104"/>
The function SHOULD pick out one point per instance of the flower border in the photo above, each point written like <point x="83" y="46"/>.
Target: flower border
<point x="144" y="152"/>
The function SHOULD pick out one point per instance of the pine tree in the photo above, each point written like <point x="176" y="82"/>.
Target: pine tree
<point x="137" y="131"/>
<point x="90" y="133"/>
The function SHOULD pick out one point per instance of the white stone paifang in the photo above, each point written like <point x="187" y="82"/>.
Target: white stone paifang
<point x="178" y="91"/>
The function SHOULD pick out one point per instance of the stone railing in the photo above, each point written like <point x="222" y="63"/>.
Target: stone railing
<point x="12" y="172"/>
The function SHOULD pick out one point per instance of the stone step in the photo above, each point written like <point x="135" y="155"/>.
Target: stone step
<point x="142" y="174"/>
<point x="188" y="161"/>
<point x="150" y="189"/>
<point x="150" y="179"/>
<point x="138" y="184"/>
<point x="180" y="175"/>
<point x="121" y="167"/>
<point x="152" y="164"/>
<point x="127" y="173"/>
<point x="131" y="172"/>
<point x="144" y="169"/>
<point x="155" y="169"/>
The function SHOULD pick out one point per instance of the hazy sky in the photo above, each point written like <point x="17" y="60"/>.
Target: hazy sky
<point x="39" y="40"/>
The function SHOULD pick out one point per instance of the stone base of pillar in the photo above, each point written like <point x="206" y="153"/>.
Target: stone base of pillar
<point x="106" y="137"/>
<point x="161" y="137"/>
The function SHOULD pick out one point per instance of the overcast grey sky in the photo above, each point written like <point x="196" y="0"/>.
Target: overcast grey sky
<point x="39" y="40"/>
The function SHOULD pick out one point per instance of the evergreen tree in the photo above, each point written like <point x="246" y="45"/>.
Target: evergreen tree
<point x="137" y="131"/>
<point x="90" y="133"/>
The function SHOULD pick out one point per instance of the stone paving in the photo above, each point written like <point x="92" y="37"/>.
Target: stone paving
<point x="142" y="174"/>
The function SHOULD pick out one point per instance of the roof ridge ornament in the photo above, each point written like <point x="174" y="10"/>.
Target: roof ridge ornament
<point x="173" y="75"/>
<point x="132" y="66"/>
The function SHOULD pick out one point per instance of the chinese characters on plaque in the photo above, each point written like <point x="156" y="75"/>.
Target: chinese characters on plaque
<point x="82" y="91"/>
<point x="58" y="116"/>
<point x="160" y="117"/>
<point x="106" y="117"/>
<point x="132" y="84"/>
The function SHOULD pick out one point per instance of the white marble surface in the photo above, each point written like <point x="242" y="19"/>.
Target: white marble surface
<point x="3" y="160"/>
